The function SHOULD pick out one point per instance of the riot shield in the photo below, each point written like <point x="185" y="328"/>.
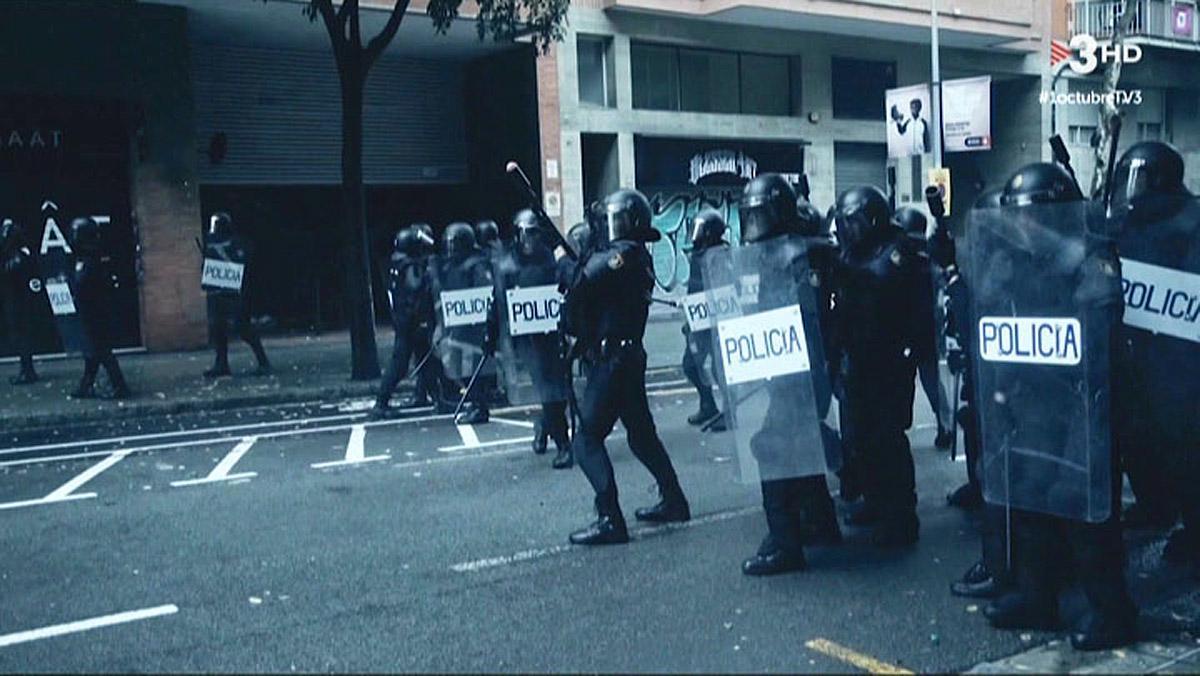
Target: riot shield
<point x="1046" y="297"/>
<point x="224" y="266"/>
<point x="769" y="357"/>
<point x="462" y="296"/>
<point x="526" y="311"/>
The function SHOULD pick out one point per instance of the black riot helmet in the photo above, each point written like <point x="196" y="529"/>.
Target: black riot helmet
<point x="220" y="224"/>
<point x="861" y="213"/>
<point x="1040" y="183"/>
<point x="487" y="233"/>
<point x="1148" y="169"/>
<point x="85" y="236"/>
<point x="580" y="237"/>
<point x="989" y="199"/>
<point x="458" y="240"/>
<point x="409" y="241"/>
<point x="708" y="229"/>
<point x="530" y="238"/>
<point x="912" y="222"/>
<point x="767" y="208"/>
<point x="809" y="221"/>
<point x="425" y="236"/>
<point x="627" y="216"/>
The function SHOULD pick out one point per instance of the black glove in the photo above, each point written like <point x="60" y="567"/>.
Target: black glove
<point x="957" y="361"/>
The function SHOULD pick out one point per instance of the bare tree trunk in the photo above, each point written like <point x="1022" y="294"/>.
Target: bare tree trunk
<point x="1107" y="109"/>
<point x="364" y="356"/>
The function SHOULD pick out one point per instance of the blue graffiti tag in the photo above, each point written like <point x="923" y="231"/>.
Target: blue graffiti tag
<point x="673" y="213"/>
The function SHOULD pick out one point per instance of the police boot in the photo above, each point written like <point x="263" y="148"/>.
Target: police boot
<point x="864" y="515"/>
<point x="900" y="530"/>
<point x="1105" y="633"/>
<point x="966" y="496"/>
<point x="717" y="424"/>
<point x="672" y="508"/>
<point x="708" y="410"/>
<point x="944" y="440"/>
<point x="25" y="377"/>
<point x="219" y="370"/>
<point x="379" y="411"/>
<point x="1016" y="610"/>
<point x="608" y="528"/>
<point x="415" y="401"/>
<point x="476" y="415"/>
<point x="772" y="560"/>
<point x="540" y="438"/>
<point x="977" y="583"/>
<point x="263" y="369"/>
<point x="84" y="391"/>
<point x="563" y="459"/>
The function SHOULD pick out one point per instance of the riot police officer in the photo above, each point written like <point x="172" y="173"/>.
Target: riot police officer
<point x="708" y="232"/>
<point x="879" y="283"/>
<point x="1159" y="387"/>
<point x="782" y="244"/>
<point x="533" y="357"/>
<point x="1046" y="424"/>
<point x="487" y="236"/>
<point x="227" y="306"/>
<point x="914" y="224"/>
<point x="20" y="287"/>
<point x="431" y="385"/>
<point x="92" y="284"/>
<point x="462" y="347"/>
<point x="606" y="307"/>
<point x="408" y="294"/>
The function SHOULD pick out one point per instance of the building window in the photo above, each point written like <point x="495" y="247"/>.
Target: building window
<point x="712" y="81"/>
<point x="655" y="77"/>
<point x="859" y="87"/>
<point x="766" y="85"/>
<point x="595" y="63"/>
<point x="1081" y="134"/>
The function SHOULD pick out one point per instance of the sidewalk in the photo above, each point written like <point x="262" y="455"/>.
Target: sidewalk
<point x="307" y="368"/>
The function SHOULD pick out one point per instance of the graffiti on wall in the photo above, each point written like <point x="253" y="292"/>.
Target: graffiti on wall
<point x="673" y="212"/>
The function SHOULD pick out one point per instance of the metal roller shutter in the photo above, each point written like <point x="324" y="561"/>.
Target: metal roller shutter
<point x="859" y="164"/>
<point x="281" y="113"/>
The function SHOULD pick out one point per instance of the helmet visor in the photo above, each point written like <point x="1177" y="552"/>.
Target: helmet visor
<point x="619" y="225"/>
<point x="758" y="221"/>
<point x="1130" y="184"/>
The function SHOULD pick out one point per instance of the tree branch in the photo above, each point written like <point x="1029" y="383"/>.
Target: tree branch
<point x="324" y="8"/>
<point x="381" y="41"/>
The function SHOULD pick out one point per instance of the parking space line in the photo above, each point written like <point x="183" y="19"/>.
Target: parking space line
<point x="484" y="444"/>
<point x="221" y="471"/>
<point x="66" y="491"/>
<point x="355" y="451"/>
<point x="86" y="625"/>
<point x="844" y="654"/>
<point x="515" y="423"/>
<point x="648" y="531"/>
<point x="469" y="437"/>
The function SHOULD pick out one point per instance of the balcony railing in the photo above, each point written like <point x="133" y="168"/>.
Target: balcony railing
<point x="1174" y="20"/>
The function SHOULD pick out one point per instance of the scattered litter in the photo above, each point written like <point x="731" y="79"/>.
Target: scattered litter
<point x="972" y="608"/>
<point x="934" y="639"/>
<point x="737" y="648"/>
<point x="417" y="474"/>
<point x="255" y="601"/>
<point x="728" y="626"/>
<point x="1026" y="637"/>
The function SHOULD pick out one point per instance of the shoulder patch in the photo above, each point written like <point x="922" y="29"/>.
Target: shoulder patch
<point x="897" y="257"/>
<point x="616" y="262"/>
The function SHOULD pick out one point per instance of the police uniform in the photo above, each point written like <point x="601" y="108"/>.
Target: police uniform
<point x="228" y="309"/>
<point x="20" y="288"/>
<point x="92" y="288"/>
<point x="607" y="306"/>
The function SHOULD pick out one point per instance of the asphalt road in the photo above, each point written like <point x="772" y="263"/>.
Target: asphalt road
<point x="303" y="538"/>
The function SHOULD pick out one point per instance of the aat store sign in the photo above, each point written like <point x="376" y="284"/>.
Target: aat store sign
<point x="682" y="176"/>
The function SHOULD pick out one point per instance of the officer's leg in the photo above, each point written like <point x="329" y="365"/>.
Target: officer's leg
<point x="397" y="368"/>
<point x="692" y="371"/>
<point x="1037" y="545"/>
<point x="249" y="335"/>
<point x="598" y="414"/>
<point x="1183" y="546"/>
<point x="782" y="550"/>
<point x="644" y="440"/>
<point x="19" y="317"/>
<point x="1100" y="553"/>
<point x="554" y="425"/>
<point x="87" y="384"/>
<point x="115" y="377"/>
<point x="218" y="332"/>
<point x="427" y="379"/>
<point x="931" y="382"/>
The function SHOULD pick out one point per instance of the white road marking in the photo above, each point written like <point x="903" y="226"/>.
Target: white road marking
<point x="649" y="531"/>
<point x="515" y="423"/>
<point x="221" y="471"/>
<point x="469" y="437"/>
<point x="86" y="625"/>
<point x="355" y="451"/>
<point x="484" y="444"/>
<point x="66" y="492"/>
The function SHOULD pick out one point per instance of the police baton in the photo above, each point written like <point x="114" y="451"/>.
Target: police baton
<point x="470" y="385"/>
<point x="199" y="246"/>
<point x="954" y="417"/>
<point x="1114" y="129"/>
<point x="664" y="301"/>
<point x="521" y="181"/>
<point x="416" y="372"/>
<point x="1059" y="150"/>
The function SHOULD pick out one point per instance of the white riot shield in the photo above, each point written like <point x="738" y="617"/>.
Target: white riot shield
<point x="1046" y="298"/>
<point x="769" y="356"/>
<point x="526" y="311"/>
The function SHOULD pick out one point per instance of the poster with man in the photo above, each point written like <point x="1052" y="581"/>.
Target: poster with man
<point x="909" y="131"/>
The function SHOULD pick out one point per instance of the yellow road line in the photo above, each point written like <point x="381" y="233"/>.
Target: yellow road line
<point x="844" y="654"/>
